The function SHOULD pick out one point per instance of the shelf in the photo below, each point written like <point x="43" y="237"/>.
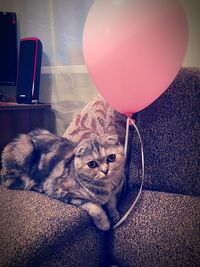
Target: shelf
<point x="16" y="106"/>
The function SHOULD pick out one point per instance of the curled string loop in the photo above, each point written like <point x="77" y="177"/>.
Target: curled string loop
<point x="132" y="122"/>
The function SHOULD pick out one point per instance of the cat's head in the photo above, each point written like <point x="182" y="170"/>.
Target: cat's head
<point x="100" y="157"/>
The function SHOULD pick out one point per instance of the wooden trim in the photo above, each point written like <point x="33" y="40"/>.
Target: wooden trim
<point x="16" y="106"/>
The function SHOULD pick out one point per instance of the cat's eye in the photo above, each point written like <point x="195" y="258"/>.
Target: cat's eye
<point x="92" y="164"/>
<point x="111" y="158"/>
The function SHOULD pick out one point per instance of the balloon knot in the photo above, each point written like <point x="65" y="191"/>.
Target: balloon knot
<point x="131" y="121"/>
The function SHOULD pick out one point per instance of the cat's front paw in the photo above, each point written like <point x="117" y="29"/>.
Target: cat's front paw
<point x="98" y="215"/>
<point x="102" y="222"/>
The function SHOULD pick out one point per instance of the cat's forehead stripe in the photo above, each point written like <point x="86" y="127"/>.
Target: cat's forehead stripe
<point x="96" y="147"/>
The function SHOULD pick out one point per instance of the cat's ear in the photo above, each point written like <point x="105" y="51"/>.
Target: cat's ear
<point x="112" y="139"/>
<point x="80" y="150"/>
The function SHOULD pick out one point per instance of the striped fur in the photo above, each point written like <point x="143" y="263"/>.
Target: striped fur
<point x="89" y="175"/>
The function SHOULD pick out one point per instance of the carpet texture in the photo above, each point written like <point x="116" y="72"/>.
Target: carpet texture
<point x="38" y="231"/>
<point x="163" y="230"/>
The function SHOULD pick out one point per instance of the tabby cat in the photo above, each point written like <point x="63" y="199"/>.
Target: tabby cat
<point x="89" y="175"/>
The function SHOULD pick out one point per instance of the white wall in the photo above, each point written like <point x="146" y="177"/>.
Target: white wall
<point x="192" y="8"/>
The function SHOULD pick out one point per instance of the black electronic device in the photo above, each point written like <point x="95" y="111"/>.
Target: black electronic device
<point x="29" y="69"/>
<point x="8" y="48"/>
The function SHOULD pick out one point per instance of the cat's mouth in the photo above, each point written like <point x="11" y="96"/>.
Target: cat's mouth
<point x="104" y="176"/>
<point x="107" y="175"/>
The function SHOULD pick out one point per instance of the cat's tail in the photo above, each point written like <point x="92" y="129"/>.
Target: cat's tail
<point x="16" y="158"/>
<point x="18" y="151"/>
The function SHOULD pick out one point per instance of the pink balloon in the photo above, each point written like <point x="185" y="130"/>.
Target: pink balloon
<point x="133" y="49"/>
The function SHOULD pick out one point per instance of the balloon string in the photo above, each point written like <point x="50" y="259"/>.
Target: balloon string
<point x="126" y="136"/>
<point x="130" y="121"/>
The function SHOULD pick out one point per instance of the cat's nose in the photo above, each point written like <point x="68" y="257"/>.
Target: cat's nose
<point x="105" y="171"/>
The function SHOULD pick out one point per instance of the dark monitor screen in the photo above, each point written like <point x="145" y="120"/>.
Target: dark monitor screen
<point x="8" y="48"/>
